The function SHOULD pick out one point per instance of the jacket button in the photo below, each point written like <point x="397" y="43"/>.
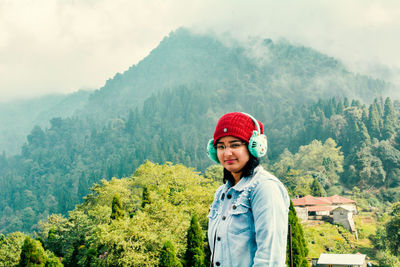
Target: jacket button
<point x="229" y="196"/>
<point x="218" y="238"/>
<point x="234" y="207"/>
<point x="223" y="218"/>
<point x="218" y="263"/>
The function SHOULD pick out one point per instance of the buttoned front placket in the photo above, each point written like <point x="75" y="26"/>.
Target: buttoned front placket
<point x="228" y="197"/>
<point x="220" y="233"/>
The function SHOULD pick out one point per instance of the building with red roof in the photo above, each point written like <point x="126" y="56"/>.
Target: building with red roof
<point x="317" y="208"/>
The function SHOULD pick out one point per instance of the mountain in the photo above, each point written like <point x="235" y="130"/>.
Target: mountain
<point x="20" y="116"/>
<point x="297" y="73"/>
<point x="164" y="109"/>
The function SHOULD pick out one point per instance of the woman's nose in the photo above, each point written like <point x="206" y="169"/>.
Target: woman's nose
<point x="228" y="151"/>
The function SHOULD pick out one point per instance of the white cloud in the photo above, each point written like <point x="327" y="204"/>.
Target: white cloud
<point x="61" y="46"/>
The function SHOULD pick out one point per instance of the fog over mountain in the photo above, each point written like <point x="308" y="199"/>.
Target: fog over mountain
<point x="61" y="46"/>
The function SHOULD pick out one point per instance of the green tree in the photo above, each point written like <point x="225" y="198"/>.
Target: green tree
<point x="167" y="256"/>
<point x="214" y="172"/>
<point x="325" y="160"/>
<point x="389" y="120"/>
<point x="340" y="107"/>
<point x="362" y="134"/>
<point x="364" y="169"/>
<point x="52" y="241"/>
<point x="10" y="249"/>
<point x="145" y="197"/>
<point x="397" y="141"/>
<point x="32" y="253"/>
<point x="116" y="208"/>
<point x="393" y="230"/>
<point x="87" y="237"/>
<point x="385" y="259"/>
<point x="379" y="240"/>
<point x="316" y="189"/>
<point x="346" y="102"/>
<point x="355" y="103"/>
<point x="83" y="185"/>
<point x="373" y="122"/>
<point x="299" y="245"/>
<point x="194" y="251"/>
<point x="53" y="261"/>
<point x="390" y="158"/>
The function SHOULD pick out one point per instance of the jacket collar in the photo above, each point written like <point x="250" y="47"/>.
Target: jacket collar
<point x="243" y="182"/>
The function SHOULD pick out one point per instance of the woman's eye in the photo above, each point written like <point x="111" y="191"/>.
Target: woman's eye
<point x="235" y="145"/>
<point x="220" y="147"/>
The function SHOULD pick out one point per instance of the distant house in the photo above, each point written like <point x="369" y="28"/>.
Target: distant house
<point x="336" y="208"/>
<point x="344" y="217"/>
<point x="340" y="260"/>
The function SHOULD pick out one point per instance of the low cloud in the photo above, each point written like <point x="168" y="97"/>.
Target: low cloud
<point x="61" y="46"/>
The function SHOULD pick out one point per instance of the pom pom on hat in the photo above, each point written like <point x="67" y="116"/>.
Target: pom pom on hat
<point x="236" y="124"/>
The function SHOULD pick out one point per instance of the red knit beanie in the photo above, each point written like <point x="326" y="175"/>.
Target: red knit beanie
<point x="236" y="124"/>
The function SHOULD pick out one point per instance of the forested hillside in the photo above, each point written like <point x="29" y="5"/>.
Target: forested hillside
<point x="20" y="116"/>
<point x="296" y="74"/>
<point x="165" y="108"/>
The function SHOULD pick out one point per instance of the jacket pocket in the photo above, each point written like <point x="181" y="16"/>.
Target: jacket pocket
<point x="242" y="219"/>
<point x="212" y="213"/>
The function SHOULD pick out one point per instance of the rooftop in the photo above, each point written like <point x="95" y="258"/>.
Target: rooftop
<point x="312" y="201"/>
<point x="342" y="259"/>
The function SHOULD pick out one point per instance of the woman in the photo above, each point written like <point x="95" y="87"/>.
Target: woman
<point x="248" y="220"/>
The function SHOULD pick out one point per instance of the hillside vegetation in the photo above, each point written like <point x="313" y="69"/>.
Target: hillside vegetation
<point x="330" y="131"/>
<point x="20" y="116"/>
<point x="164" y="109"/>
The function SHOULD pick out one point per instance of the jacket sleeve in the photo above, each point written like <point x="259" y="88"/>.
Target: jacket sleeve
<point x="270" y="205"/>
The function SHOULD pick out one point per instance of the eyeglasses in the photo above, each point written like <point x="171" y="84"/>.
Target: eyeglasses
<point x="231" y="146"/>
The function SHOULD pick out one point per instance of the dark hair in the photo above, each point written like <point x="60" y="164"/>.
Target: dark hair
<point x="247" y="170"/>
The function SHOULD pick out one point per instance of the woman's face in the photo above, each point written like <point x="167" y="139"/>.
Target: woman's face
<point x="232" y="153"/>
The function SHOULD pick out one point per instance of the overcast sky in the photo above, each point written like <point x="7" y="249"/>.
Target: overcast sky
<point x="53" y="46"/>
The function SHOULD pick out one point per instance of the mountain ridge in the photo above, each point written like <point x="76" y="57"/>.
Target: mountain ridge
<point x="164" y="109"/>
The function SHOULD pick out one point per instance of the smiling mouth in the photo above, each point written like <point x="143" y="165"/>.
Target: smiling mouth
<point x="230" y="161"/>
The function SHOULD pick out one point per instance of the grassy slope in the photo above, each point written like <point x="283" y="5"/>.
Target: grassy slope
<point x="323" y="237"/>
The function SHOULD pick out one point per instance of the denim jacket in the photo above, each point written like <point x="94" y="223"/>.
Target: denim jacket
<point x="248" y="222"/>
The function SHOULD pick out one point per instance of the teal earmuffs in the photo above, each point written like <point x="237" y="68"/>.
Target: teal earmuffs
<point x="257" y="144"/>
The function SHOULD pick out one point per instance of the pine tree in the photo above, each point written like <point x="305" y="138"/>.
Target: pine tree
<point x="340" y="108"/>
<point x="316" y="189"/>
<point x="346" y="102"/>
<point x="379" y="106"/>
<point x="194" y="251"/>
<point x="397" y="141"/>
<point x="83" y="185"/>
<point x="355" y="103"/>
<point x="363" y="136"/>
<point x="330" y="108"/>
<point x="167" y="256"/>
<point x="364" y="117"/>
<point x="53" y="242"/>
<point x="32" y="253"/>
<point x="145" y="197"/>
<point x="393" y="230"/>
<point x="373" y="122"/>
<point x="389" y="120"/>
<point x="116" y="208"/>
<point x="299" y="245"/>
